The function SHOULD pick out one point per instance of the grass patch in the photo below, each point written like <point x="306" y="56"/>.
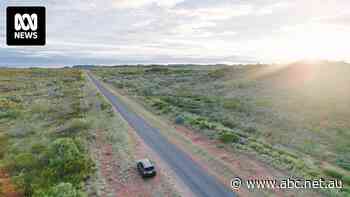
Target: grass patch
<point x="228" y="137"/>
<point x="333" y="173"/>
<point x="218" y="73"/>
<point x="232" y="104"/>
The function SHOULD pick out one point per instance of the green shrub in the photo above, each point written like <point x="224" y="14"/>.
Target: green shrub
<point x="24" y="166"/>
<point x="218" y="73"/>
<point x="11" y="114"/>
<point x="263" y="103"/>
<point x="159" y="104"/>
<point x="346" y="180"/>
<point x="7" y="104"/>
<point x="38" y="148"/>
<point x="132" y="72"/>
<point x="67" y="163"/>
<point x="147" y="92"/>
<point x="159" y="70"/>
<point x="61" y="190"/>
<point x="25" y="181"/>
<point x="232" y="104"/>
<point x="15" y="98"/>
<point x="201" y="123"/>
<point x="117" y="84"/>
<point x="292" y="162"/>
<point x="343" y="162"/>
<point x="256" y="146"/>
<point x="250" y="129"/>
<point x="3" y="146"/>
<point x="75" y="126"/>
<point x="105" y="106"/>
<point x="228" y="137"/>
<point x="333" y="173"/>
<point x="242" y="84"/>
<point x="25" y="161"/>
<point x="22" y="128"/>
<point x="41" y="107"/>
<point x="346" y="190"/>
<point x="314" y="174"/>
<point x="230" y="124"/>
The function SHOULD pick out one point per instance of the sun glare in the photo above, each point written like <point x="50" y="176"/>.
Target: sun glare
<point x="311" y="43"/>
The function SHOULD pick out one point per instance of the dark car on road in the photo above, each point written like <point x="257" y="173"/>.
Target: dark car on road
<point x="146" y="168"/>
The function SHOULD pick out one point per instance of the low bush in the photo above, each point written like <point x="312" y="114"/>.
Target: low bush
<point x="229" y="137"/>
<point x="25" y="167"/>
<point x="159" y="70"/>
<point x="218" y="73"/>
<point x="232" y="104"/>
<point x="38" y="148"/>
<point x="346" y="190"/>
<point x="61" y="190"/>
<point x="250" y="129"/>
<point x="230" y="124"/>
<point x="15" y="98"/>
<point x="343" y="162"/>
<point x="159" y="104"/>
<point x="263" y="103"/>
<point x="245" y="84"/>
<point x="10" y="114"/>
<point x="7" y="104"/>
<point x="132" y="72"/>
<point x="41" y="107"/>
<point x="181" y="102"/>
<point x="314" y="174"/>
<point x="117" y="84"/>
<point x="346" y="180"/>
<point x="75" y="126"/>
<point x="201" y="123"/>
<point x="3" y="146"/>
<point x="25" y="162"/>
<point x="67" y="163"/>
<point x="333" y="173"/>
<point x="256" y="146"/>
<point x="147" y="92"/>
<point x="22" y="129"/>
<point x="106" y="106"/>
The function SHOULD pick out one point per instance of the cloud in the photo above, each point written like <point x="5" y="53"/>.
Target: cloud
<point x="217" y="13"/>
<point x="211" y="31"/>
<point x="140" y="3"/>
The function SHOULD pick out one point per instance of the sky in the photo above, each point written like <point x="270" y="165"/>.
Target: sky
<point x="113" y="32"/>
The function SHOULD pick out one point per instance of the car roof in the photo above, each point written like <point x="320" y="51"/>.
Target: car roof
<point x="146" y="163"/>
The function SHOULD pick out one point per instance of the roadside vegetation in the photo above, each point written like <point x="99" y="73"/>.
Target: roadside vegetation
<point x="292" y="117"/>
<point x="44" y="132"/>
<point x="59" y="137"/>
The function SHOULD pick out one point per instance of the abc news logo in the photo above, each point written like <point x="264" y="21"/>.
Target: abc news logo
<point x="26" y="26"/>
<point x="32" y="21"/>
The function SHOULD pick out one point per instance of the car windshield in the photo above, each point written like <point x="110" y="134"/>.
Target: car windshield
<point x="149" y="168"/>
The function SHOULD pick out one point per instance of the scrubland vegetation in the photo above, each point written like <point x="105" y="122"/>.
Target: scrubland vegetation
<point x="59" y="137"/>
<point x="294" y="117"/>
<point x="44" y="131"/>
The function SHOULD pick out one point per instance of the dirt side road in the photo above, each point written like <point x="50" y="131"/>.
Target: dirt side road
<point x="193" y="175"/>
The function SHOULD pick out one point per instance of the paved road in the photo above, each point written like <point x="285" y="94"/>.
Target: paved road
<point x="194" y="176"/>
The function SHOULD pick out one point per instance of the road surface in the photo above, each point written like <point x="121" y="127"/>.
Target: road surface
<point x="194" y="176"/>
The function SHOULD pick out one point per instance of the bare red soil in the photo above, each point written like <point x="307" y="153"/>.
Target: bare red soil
<point x="6" y="186"/>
